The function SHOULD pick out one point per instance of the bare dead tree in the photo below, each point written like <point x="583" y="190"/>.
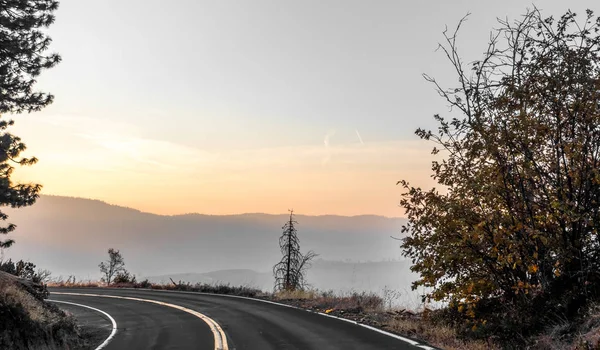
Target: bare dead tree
<point x="290" y="272"/>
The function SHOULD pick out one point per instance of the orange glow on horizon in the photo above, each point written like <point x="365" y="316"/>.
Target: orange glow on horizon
<point x="347" y="180"/>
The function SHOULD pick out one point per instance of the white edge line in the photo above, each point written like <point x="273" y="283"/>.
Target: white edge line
<point x="389" y="334"/>
<point x="218" y="334"/>
<point x="112" y="320"/>
<point x="406" y="340"/>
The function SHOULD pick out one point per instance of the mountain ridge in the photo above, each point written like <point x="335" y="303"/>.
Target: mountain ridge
<point x="71" y="235"/>
<point x="226" y="215"/>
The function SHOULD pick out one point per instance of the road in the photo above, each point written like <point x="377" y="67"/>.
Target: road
<point x="185" y="323"/>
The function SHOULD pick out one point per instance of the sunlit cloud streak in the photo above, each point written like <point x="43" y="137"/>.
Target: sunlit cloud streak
<point x="326" y="140"/>
<point x="123" y="166"/>
<point x="359" y="138"/>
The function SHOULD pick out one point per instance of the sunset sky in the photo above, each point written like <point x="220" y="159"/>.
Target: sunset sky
<point x="224" y="107"/>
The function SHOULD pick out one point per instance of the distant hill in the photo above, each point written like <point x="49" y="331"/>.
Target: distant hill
<point x="71" y="236"/>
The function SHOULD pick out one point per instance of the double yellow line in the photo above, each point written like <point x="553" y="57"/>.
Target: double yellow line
<point x="219" y="335"/>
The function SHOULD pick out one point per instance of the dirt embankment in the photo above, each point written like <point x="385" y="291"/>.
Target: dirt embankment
<point x="27" y="321"/>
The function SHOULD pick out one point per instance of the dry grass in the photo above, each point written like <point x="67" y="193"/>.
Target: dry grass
<point x="198" y="287"/>
<point x="586" y="335"/>
<point x="27" y="322"/>
<point x="33" y="308"/>
<point x="353" y="302"/>
<point x="82" y="284"/>
<point x="245" y="291"/>
<point x="295" y="295"/>
<point x="589" y="340"/>
<point x="440" y="336"/>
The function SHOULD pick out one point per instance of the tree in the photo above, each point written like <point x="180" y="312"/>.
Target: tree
<point x="290" y="272"/>
<point x="113" y="267"/>
<point x="22" y="58"/>
<point x="515" y="223"/>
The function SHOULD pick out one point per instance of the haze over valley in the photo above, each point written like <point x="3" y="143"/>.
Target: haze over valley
<point x="70" y="236"/>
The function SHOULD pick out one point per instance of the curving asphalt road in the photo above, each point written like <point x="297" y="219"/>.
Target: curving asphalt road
<point x="140" y="325"/>
<point x="246" y="323"/>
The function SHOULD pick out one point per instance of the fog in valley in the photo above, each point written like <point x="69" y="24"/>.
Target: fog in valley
<point x="70" y="236"/>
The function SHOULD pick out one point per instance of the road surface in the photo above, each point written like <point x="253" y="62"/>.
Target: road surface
<point x="246" y="324"/>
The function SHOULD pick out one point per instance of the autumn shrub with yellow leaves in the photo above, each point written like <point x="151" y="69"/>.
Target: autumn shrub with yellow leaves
<point x="509" y="239"/>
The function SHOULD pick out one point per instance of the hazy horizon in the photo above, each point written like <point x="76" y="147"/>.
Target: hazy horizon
<point x="296" y="213"/>
<point x="71" y="236"/>
<point x="228" y="107"/>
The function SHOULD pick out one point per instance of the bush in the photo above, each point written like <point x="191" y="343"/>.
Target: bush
<point x="143" y="284"/>
<point x="124" y="277"/>
<point x="26" y="270"/>
<point x="511" y="240"/>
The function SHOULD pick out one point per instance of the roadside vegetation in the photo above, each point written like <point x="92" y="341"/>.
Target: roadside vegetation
<point x="509" y="241"/>
<point x="113" y="270"/>
<point x="27" y="321"/>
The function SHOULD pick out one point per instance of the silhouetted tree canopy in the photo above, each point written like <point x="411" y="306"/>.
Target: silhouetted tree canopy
<point x="22" y="58"/>
<point x="514" y="225"/>
<point x="114" y="267"/>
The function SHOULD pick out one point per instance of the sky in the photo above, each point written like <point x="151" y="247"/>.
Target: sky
<point x="227" y="107"/>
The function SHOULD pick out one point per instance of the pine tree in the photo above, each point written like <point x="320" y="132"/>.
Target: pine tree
<point x="22" y="47"/>
<point x="291" y="270"/>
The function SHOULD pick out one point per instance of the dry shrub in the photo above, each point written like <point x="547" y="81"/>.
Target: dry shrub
<point x="245" y="290"/>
